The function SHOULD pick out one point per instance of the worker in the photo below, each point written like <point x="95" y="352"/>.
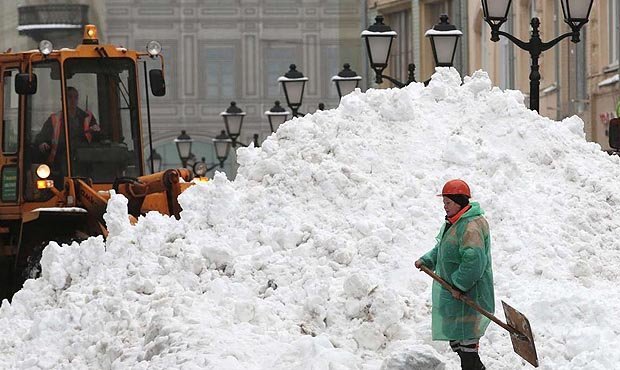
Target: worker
<point x="83" y="129"/>
<point x="462" y="257"/>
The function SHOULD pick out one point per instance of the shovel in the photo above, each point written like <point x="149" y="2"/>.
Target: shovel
<point x="516" y="323"/>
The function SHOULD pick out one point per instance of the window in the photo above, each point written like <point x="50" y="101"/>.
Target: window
<point x="401" y="54"/>
<point x="277" y="62"/>
<point x="9" y="121"/>
<point x="614" y="31"/>
<point x="220" y="72"/>
<point x="506" y="55"/>
<point x="102" y="118"/>
<point x="38" y="136"/>
<point x="533" y="11"/>
<point x="485" y="35"/>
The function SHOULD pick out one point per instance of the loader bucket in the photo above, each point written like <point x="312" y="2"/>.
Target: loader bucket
<point x="45" y="225"/>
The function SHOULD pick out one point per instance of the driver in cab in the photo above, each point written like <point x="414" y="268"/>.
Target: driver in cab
<point x="83" y="129"/>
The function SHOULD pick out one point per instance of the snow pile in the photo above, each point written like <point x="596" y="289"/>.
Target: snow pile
<point x="305" y="261"/>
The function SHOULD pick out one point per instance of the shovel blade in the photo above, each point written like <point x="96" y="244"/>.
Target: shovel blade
<point x="523" y="345"/>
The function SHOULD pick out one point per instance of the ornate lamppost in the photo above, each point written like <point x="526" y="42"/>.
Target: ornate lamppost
<point x="378" y="38"/>
<point x="576" y="15"/>
<point x="277" y="116"/>
<point x="346" y="81"/>
<point x="444" y="40"/>
<point x="184" y="147"/>
<point x="293" y="82"/>
<point x="155" y="161"/>
<point x="233" y="121"/>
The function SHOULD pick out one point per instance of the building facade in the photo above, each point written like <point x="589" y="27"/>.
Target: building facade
<point x="219" y="51"/>
<point x="579" y="79"/>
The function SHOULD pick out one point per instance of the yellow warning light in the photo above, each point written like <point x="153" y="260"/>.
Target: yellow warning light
<point x="90" y="34"/>
<point x="45" y="184"/>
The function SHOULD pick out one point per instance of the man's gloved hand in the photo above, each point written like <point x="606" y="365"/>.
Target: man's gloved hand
<point x="44" y="147"/>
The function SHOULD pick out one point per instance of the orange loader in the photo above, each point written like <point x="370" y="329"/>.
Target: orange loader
<point x="71" y="133"/>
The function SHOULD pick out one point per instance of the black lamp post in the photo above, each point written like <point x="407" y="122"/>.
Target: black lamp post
<point x="222" y="144"/>
<point x="378" y="39"/>
<point x="184" y="147"/>
<point x="233" y="120"/>
<point x="277" y="116"/>
<point x="576" y="14"/>
<point x="346" y="81"/>
<point x="155" y="160"/>
<point x="443" y="37"/>
<point x="293" y="83"/>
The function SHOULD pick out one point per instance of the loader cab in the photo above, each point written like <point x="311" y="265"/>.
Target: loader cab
<point x="71" y="113"/>
<point x="83" y="121"/>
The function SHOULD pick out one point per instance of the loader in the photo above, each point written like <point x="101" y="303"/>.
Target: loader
<point x="63" y="155"/>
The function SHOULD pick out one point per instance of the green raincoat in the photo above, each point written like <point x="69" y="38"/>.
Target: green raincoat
<point x="462" y="257"/>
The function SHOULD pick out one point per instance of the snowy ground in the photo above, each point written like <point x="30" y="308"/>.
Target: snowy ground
<point x="305" y="261"/>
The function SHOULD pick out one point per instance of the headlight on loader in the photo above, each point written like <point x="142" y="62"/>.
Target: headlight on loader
<point x="200" y="169"/>
<point x="46" y="47"/>
<point x="153" y="48"/>
<point x="43" y="171"/>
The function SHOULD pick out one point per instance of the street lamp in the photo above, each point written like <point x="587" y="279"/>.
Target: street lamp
<point x="576" y="14"/>
<point x="184" y="147"/>
<point x="346" y="81"/>
<point x="222" y="144"/>
<point x="379" y="36"/>
<point x="233" y="120"/>
<point x="293" y="83"/>
<point x="444" y="38"/>
<point x="378" y="39"/>
<point x="277" y="116"/>
<point x="155" y="161"/>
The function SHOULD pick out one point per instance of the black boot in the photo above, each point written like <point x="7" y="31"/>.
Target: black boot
<point x="470" y="361"/>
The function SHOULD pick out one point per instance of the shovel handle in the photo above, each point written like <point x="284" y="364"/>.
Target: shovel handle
<point x="471" y="303"/>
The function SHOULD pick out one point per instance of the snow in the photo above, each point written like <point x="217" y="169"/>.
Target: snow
<point x="305" y="261"/>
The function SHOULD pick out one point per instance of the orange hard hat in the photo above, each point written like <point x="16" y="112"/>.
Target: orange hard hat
<point x="456" y="187"/>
